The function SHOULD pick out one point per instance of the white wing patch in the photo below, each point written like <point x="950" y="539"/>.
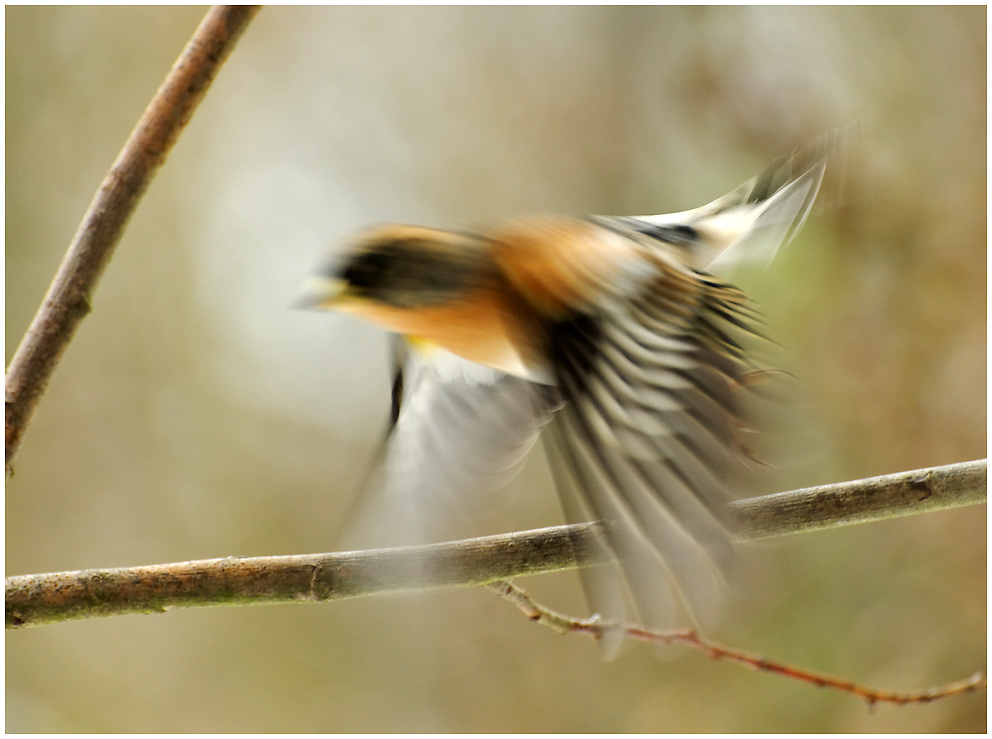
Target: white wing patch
<point x="462" y="431"/>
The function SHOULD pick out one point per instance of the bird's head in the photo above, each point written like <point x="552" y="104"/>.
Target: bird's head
<point x="403" y="267"/>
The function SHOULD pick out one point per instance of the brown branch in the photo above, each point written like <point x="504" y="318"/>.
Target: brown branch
<point x="595" y="628"/>
<point x="861" y="501"/>
<point x="70" y="295"/>
<point x="62" y="596"/>
<point x="33" y="600"/>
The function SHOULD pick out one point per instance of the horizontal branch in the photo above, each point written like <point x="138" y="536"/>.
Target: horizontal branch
<point x="62" y="596"/>
<point x="861" y="501"/>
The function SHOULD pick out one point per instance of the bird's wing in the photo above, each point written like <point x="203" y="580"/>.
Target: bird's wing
<point x="648" y="442"/>
<point x="459" y="432"/>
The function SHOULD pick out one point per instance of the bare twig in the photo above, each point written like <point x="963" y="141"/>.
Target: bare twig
<point x="62" y="596"/>
<point x="70" y="294"/>
<point x="595" y="628"/>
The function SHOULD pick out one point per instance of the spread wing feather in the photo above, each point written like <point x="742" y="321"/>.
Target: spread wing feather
<point x="648" y="439"/>
<point x="459" y="431"/>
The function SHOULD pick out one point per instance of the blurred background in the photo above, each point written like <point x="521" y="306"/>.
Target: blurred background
<point x="195" y="415"/>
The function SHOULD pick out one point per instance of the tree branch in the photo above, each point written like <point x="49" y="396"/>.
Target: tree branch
<point x="70" y="295"/>
<point x="62" y="596"/>
<point x="33" y="600"/>
<point x="861" y="501"/>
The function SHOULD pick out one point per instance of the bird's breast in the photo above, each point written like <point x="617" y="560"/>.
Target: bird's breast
<point x="487" y="325"/>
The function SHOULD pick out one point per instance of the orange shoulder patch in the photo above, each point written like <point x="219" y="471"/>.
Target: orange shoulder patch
<point x="562" y="265"/>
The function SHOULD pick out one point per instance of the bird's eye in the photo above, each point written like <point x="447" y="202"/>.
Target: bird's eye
<point x="368" y="270"/>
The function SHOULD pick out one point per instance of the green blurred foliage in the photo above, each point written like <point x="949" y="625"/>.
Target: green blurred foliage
<point x="195" y="415"/>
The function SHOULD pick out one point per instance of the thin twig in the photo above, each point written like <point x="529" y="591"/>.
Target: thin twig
<point x="595" y="628"/>
<point x="70" y="295"/>
<point x="49" y="598"/>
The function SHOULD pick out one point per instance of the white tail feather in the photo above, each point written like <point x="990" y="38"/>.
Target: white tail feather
<point x="757" y="231"/>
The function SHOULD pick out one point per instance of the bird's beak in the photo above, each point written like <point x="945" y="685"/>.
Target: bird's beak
<point x="321" y="293"/>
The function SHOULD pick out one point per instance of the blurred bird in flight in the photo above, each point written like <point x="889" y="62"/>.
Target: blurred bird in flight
<point x="617" y="338"/>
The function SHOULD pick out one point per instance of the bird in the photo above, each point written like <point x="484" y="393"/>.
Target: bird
<point x="620" y="341"/>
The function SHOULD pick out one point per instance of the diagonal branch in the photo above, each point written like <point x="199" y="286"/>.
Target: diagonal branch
<point x="33" y="600"/>
<point x="70" y="294"/>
